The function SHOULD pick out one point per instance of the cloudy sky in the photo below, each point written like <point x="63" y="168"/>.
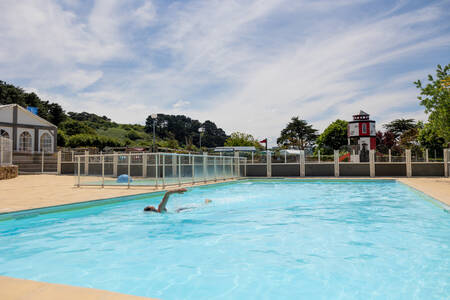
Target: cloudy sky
<point x="247" y="65"/>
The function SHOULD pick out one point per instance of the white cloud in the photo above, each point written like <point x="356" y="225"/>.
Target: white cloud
<point x="246" y="65"/>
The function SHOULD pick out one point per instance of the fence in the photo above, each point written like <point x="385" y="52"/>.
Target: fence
<point x="5" y="151"/>
<point x="347" y="163"/>
<point x="37" y="162"/>
<point x="155" y="169"/>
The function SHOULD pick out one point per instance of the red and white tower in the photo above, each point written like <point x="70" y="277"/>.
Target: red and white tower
<point x="361" y="131"/>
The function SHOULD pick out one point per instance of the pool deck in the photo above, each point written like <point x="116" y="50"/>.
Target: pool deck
<point x="13" y="288"/>
<point x="36" y="191"/>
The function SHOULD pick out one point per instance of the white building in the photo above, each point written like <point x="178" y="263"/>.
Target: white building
<point x="29" y="132"/>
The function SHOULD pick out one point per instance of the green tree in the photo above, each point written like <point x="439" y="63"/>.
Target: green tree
<point x="73" y="127"/>
<point x="242" y="139"/>
<point x="90" y="140"/>
<point x="435" y="97"/>
<point x="298" y="133"/>
<point x="429" y="138"/>
<point x="333" y="137"/>
<point x="399" y="126"/>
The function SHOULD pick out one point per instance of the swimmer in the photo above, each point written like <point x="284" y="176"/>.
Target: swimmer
<point x="162" y="205"/>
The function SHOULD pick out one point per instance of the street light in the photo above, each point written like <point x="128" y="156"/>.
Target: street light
<point x="154" y="117"/>
<point x="201" y="130"/>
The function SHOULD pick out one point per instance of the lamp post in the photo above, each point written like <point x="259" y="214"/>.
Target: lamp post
<point x="154" y="117"/>
<point x="201" y="130"/>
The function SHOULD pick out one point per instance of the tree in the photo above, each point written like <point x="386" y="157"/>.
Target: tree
<point x="186" y="130"/>
<point x="297" y="134"/>
<point x="399" y="126"/>
<point x="213" y="136"/>
<point x="429" y="138"/>
<point x="242" y="139"/>
<point x="73" y="127"/>
<point x="435" y="96"/>
<point x="385" y="141"/>
<point x="333" y="137"/>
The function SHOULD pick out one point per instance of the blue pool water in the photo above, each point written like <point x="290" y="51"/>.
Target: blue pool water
<point x="277" y="239"/>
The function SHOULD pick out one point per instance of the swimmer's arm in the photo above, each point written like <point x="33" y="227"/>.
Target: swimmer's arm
<point x="162" y="205"/>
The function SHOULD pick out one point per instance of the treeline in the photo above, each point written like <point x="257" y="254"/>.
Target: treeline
<point x="90" y="130"/>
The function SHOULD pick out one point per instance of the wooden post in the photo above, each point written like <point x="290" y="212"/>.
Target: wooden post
<point x="336" y="163"/>
<point x="302" y="163"/>
<point x="86" y="162"/>
<point x="446" y="151"/>
<point x="58" y="166"/>
<point x="408" y="163"/>
<point x="115" y="163"/>
<point x="372" y="163"/>
<point x="42" y="161"/>
<point x="144" y="165"/>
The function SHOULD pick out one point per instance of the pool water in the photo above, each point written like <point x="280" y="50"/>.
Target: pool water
<point x="282" y="239"/>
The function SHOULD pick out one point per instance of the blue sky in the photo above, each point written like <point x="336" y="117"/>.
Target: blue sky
<point x="247" y="65"/>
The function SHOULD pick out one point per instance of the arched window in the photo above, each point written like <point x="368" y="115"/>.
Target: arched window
<point x="46" y="143"/>
<point x="4" y="133"/>
<point x="25" y="142"/>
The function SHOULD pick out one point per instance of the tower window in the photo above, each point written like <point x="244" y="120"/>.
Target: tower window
<point x="364" y="128"/>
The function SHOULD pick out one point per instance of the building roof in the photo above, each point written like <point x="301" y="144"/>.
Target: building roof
<point x="26" y="111"/>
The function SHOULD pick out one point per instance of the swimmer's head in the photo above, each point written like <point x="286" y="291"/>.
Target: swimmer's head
<point x="207" y="201"/>
<point x="150" y="208"/>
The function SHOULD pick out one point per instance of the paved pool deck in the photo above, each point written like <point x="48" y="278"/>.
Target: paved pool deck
<point x="36" y="191"/>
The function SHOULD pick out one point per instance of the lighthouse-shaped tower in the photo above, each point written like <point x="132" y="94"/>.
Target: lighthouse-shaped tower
<point x="361" y="131"/>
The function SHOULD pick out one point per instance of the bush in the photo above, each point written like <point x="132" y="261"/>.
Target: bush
<point x="90" y="140"/>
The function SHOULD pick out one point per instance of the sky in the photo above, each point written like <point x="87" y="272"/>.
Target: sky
<point x="247" y="65"/>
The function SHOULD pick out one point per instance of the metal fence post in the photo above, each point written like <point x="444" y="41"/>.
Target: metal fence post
<point x="193" y="170"/>
<point x="129" y="169"/>
<point x="58" y="165"/>
<point x="426" y="155"/>
<point x="1" y="151"/>
<point x="252" y="157"/>
<point x="336" y="163"/>
<point x="269" y="164"/>
<point x="215" y="168"/>
<point x="163" y="171"/>
<point x="223" y="168"/>
<point x="79" y="169"/>
<point x="156" y="169"/>
<point x="285" y="156"/>
<point x="372" y="163"/>
<point x="205" y="166"/>
<point x="390" y="155"/>
<point x="103" y="171"/>
<point x="174" y="164"/>
<point x="408" y="163"/>
<point x="302" y="163"/>
<point x="319" y="156"/>
<point x="446" y="151"/>
<point x="179" y="170"/>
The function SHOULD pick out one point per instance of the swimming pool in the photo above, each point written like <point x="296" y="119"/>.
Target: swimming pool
<point x="283" y="239"/>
